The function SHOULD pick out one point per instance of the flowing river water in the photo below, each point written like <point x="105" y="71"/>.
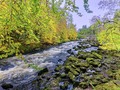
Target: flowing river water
<point x="17" y="75"/>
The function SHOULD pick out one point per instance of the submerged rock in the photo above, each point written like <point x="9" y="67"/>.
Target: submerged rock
<point x="7" y="86"/>
<point x="70" y="87"/>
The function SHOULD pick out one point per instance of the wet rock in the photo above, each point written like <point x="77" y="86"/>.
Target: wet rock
<point x="7" y="86"/>
<point x="90" y="49"/>
<point x="98" y="69"/>
<point x="77" y="79"/>
<point x="57" y="74"/>
<point x="90" y="71"/>
<point x="63" y="85"/>
<point x="75" y="48"/>
<point x="43" y="71"/>
<point x="70" y="51"/>
<point x="70" y="87"/>
<point x="5" y="66"/>
<point x="79" y="46"/>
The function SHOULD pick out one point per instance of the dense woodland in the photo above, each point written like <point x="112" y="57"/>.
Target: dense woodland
<point x="29" y="24"/>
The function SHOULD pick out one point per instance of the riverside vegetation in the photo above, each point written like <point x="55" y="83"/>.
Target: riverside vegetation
<point x="27" y="25"/>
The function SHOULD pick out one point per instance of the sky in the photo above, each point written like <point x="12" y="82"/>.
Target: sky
<point x="85" y="19"/>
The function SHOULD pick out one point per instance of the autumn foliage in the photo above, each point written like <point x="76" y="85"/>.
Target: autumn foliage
<point x="29" y="24"/>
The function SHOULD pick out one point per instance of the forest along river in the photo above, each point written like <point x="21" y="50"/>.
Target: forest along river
<point x="16" y="74"/>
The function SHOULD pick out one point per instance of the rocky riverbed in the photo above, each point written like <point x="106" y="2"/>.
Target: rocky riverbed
<point x="77" y="65"/>
<point x="18" y="74"/>
<point x="91" y="68"/>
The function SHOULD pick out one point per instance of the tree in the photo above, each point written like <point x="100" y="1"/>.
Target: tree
<point x="27" y="25"/>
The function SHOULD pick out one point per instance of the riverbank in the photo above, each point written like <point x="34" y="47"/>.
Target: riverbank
<point x="90" y="69"/>
<point x="79" y="65"/>
<point x="17" y="72"/>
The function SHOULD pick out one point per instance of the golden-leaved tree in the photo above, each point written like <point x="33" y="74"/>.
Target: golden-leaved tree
<point x="29" y="24"/>
<point x="109" y="36"/>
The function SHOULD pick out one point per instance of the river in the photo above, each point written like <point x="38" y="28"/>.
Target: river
<point x="15" y="73"/>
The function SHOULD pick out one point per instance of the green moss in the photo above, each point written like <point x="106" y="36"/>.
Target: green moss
<point x="72" y="59"/>
<point x="89" y="59"/>
<point x="69" y="68"/>
<point x="107" y="86"/>
<point x="71" y="76"/>
<point x="63" y="75"/>
<point x="117" y="75"/>
<point x="96" y="55"/>
<point x="95" y="82"/>
<point x="58" y="68"/>
<point x="82" y="55"/>
<point x="95" y="63"/>
<point x="35" y="67"/>
<point x="84" y="85"/>
<point x="109" y="73"/>
<point x="98" y="77"/>
<point x="104" y="80"/>
<point x="84" y="64"/>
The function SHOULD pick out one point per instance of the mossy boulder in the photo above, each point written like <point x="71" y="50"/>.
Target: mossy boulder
<point x="96" y="55"/>
<point x="117" y="75"/>
<point x="96" y="63"/>
<point x="84" y="85"/>
<point x="71" y="76"/>
<point x="84" y="64"/>
<point x="63" y="75"/>
<point x="82" y="55"/>
<point x="104" y="80"/>
<point x="89" y="59"/>
<point x="109" y="73"/>
<point x="72" y="59"/>
<point x="70" y="69"/>
<point x="75" y="68"/>
<point x="108" y="86"/>
<point x="95" y="82"/>
<point x="58" y="68"/>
